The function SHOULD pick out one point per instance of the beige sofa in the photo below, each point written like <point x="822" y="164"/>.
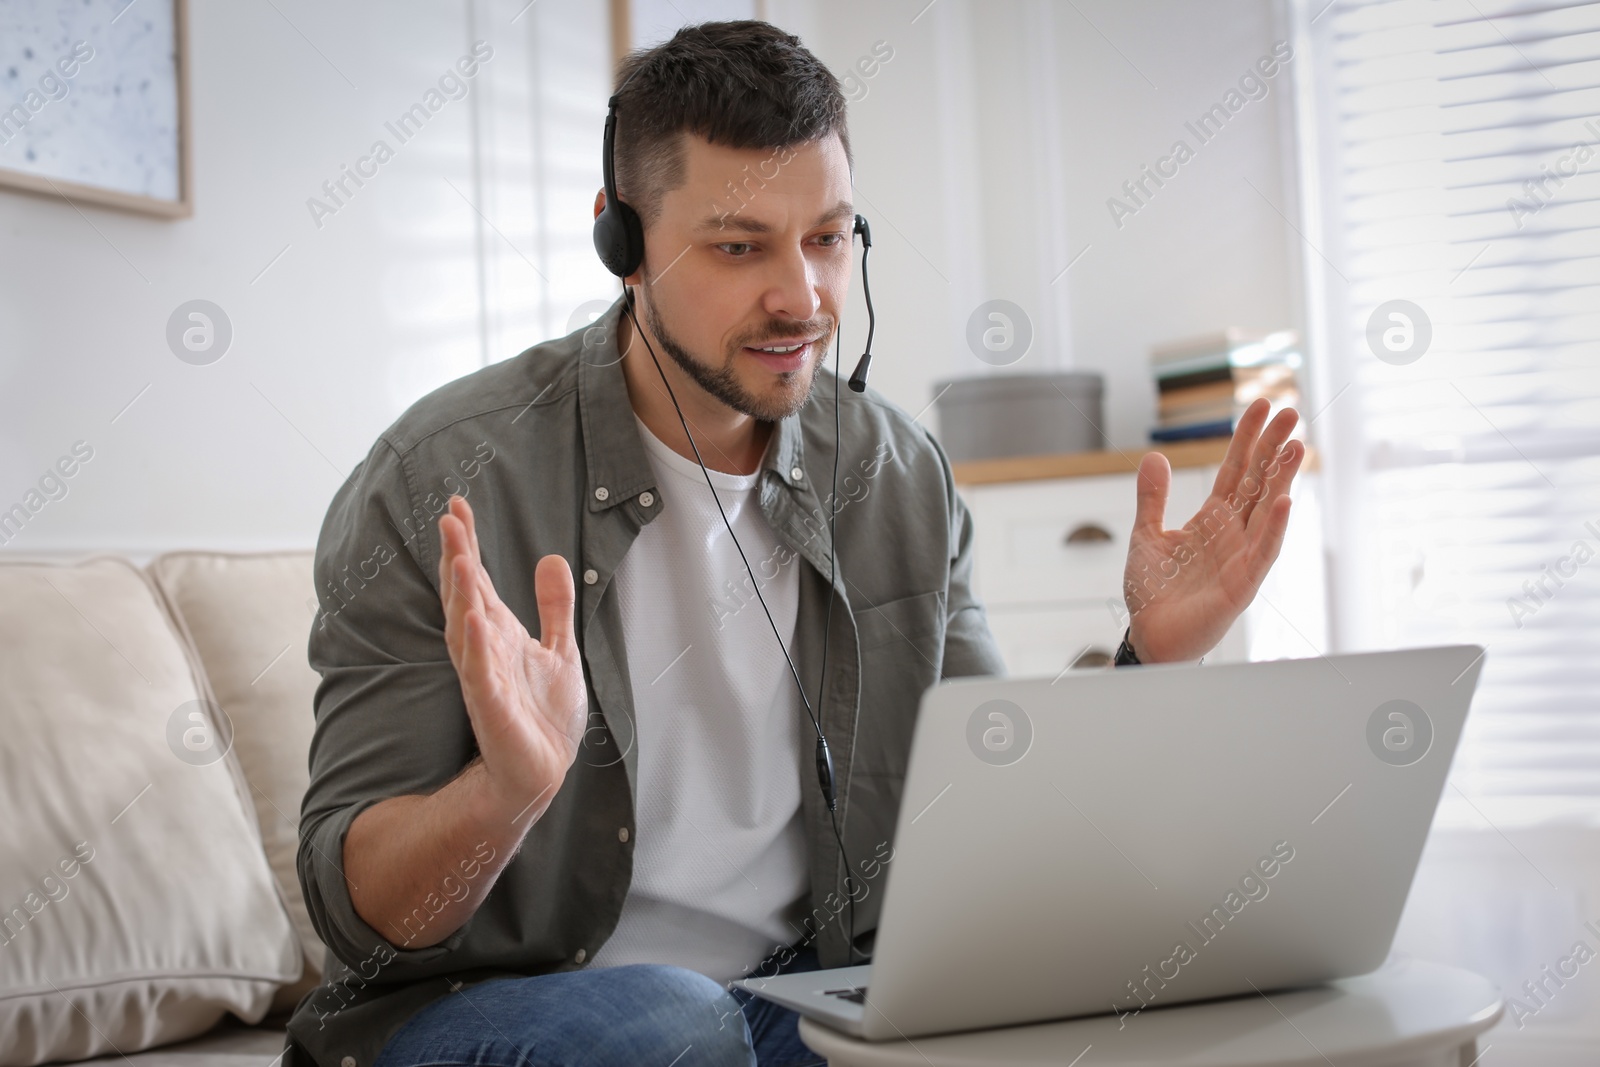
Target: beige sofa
<point x="154" y="729"/>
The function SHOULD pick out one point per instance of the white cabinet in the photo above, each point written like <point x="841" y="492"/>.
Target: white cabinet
<point x="1048" y="564"/>
<point x="1048" y="639"/>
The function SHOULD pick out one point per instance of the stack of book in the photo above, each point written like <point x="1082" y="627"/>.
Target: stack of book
<point x="1205" y="383"/>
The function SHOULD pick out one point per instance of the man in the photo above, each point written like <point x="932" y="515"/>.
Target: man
<point x="557" y="849"/>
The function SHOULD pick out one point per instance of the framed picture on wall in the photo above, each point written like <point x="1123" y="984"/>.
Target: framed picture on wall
<point x="94" y="102"/>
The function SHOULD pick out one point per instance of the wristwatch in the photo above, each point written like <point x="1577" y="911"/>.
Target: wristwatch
<point x="1125" y="656"/>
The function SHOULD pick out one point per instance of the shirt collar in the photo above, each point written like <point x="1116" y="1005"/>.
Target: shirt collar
<point x="618" y="465"/>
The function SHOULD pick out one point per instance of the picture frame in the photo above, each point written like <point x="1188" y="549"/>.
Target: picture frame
<point x="115" y="131"/>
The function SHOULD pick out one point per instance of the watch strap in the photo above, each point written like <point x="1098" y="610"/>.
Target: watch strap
<point x="1125" y="656"/>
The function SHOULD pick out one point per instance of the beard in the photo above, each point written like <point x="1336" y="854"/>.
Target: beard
<point x="723" y="382"/>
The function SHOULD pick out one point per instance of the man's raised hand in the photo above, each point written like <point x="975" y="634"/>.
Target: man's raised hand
<point x="1185" y="587"/>
<point x="526" y="698"/>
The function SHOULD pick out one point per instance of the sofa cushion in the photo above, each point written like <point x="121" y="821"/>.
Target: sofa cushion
<point x="228" y="1044"/>
<point x="136" y="903"/>
<point x="248" y="616"/>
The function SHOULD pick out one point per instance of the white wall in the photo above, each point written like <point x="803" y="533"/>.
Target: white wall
<point x="405" y="287"/>
<point x="985" y="151"/>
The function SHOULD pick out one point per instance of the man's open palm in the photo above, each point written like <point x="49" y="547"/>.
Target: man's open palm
<point x="526" y="698"/>
<point x="1186" y="586"/>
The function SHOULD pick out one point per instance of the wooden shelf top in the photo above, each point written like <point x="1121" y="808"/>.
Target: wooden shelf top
<point x="1203" y="453"/>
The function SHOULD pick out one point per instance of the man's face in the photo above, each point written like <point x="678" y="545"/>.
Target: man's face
<point x="750" y="257"/>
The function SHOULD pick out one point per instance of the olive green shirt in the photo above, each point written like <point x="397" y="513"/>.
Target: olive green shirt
<point x="545" y="448"/>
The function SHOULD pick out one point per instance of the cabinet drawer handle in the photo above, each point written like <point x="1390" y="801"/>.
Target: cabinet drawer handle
<point x="1093" y="657"/>
<point x="1086" y="533"/>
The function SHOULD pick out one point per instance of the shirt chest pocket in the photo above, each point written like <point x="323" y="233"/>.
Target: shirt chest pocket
<point x="902" y="650"/>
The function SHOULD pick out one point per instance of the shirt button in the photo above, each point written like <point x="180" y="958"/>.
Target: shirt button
<point x="580" y="956"/>
<point x="622" y="834"/>
<point x="348" y="1061"/>
<point x="590" y="576"/>
<point x="647" y="498"/>
<point x="601" y="492"/>
<point x="797" y="474"/>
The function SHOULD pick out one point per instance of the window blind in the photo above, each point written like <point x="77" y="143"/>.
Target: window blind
<point x="1461" y="174"/>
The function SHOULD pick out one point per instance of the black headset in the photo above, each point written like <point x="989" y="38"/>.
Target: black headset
<point x="618" y="232"/>
<point x="619" y="240"/>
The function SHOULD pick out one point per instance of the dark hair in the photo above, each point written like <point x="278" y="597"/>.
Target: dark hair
<point x="744" y="84"/>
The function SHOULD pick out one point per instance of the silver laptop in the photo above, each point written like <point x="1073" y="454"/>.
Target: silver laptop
<point x="1121" y="839"/>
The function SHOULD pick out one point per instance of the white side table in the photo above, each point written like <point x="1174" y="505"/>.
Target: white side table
<point x="1408" y="1013"/>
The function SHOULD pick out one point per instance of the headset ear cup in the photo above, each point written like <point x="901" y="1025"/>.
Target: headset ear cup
<point x="633" y="227"/>
<point x="619" y="238"/>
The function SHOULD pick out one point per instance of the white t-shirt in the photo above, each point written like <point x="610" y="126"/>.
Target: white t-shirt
<point x="719" y="861"/>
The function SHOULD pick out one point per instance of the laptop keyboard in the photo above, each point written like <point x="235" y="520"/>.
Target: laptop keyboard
<point x="854" y="994"/>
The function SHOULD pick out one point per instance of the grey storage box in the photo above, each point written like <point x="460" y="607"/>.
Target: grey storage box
<point x="1033" y="414"/>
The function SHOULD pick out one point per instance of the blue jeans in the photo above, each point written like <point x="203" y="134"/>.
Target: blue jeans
<point x="641" y="1015"/>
